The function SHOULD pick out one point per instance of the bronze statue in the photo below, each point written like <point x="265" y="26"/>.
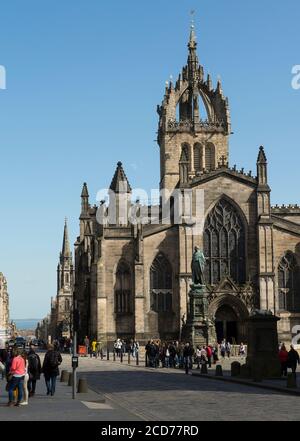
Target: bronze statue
<point x="198" y="265"/>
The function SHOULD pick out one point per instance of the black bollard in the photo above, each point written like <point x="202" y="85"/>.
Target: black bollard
<point x="114" y="355"/>
<point x="121" y="356"/>
<point x="101" y="354"/>
<point x="107" y="354"/>
<point x="137" y="359"/>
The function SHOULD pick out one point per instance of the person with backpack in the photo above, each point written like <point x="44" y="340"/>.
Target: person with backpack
<point x="34" y="370"/>
<point x="50" y="368"/>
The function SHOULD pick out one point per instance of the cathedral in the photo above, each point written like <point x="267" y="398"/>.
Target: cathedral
<point x="132" y="279"/>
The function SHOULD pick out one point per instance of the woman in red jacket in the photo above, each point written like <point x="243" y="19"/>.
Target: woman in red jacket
<point x="283" y="357"/>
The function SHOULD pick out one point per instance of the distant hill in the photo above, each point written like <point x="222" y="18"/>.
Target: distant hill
<point x="24" y="324"/>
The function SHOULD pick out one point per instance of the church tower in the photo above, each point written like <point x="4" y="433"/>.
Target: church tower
<point x="194" y="124"/>
<point x="64" y="286"/>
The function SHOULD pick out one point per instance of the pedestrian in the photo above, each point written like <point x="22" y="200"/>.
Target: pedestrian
<point x="24" y="402"/>
<point x="16" y="378"/>
<point x="242" y="350"/>
<point x="34" y="370"/>
<point x="198" y="356"/>
<point x="215" y="353"/>
<point x="50" y="368"/>
<point x="188" y="353"/>
<point x="293" y="359"/>
<point x="94" y="348"/>
<point x="283" y="357"/>
<point x="3" y="358"/>
<point x="87" y="345"/>
<point x="223" y="349"/>
<point x="209" y="355"/>
<point x="228" y="349"/>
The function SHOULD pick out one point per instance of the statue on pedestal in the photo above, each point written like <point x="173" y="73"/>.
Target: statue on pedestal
<point x="198" y="265"/>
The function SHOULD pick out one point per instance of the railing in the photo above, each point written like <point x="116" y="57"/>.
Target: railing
<point x="202" y="125"/>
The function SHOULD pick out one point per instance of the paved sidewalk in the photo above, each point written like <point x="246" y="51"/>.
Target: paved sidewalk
<point x="61" y="407"/>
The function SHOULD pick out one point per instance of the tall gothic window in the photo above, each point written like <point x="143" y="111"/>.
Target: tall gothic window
<point x="161" y="284"/>
<point x="123" y="297"/>
<point x="224" y="244"/>
<point x="289" y="283"/>
<point x="198" y="157"/>
<point x="209" y="157"/>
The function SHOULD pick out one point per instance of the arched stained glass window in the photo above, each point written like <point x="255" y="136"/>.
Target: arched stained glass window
<point x="161" y="284"/>
<point x="224" y="244"/>
<point x="123" y="297"/>
<point x="289" y="283"/>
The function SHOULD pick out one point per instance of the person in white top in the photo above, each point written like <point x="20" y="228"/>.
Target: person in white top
<point x="25" y="383"/>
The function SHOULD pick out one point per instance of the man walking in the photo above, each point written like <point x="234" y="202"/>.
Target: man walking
<point x="34" y="370"/>
<point x="188" y="353"/>
<point x="50" y="368"/>
<point x="293" y="360"/>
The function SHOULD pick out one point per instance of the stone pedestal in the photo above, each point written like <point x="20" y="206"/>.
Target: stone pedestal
<point x="262" y="353"/>
<point x="198" y="327"/>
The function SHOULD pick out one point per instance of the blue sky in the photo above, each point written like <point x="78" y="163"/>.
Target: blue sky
<point x="83" y="81"/>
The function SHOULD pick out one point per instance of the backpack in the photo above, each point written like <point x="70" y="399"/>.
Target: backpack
<point x="53" y="359"/>
<point x="33" y="363"/>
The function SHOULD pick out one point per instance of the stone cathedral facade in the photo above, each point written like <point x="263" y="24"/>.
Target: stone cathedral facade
<point x="134" y="280"/>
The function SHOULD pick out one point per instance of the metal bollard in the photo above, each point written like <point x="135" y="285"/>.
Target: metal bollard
<point x="128" y="357"/>
<point x="121" y="356"/>
<point x="219" y="371"/>
<point x="82" y="386"/>
<point x="107" y="354"/>
<point x="101" y="354"/>
<point x="114" y="356"/>
<point x="204" y="370"/>
<point x="137" y="359"/>
<point x="291" y="381"/>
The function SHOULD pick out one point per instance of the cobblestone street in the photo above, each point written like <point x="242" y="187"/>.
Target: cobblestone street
<point x="136" y="393"/>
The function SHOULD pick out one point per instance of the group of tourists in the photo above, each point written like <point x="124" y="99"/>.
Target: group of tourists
<point x="23" y="369"/>
<point x="288" y="359"/>
<point x="122" y="347"/>
<point x="93" y="347"/>
<point x="178" y="354"/>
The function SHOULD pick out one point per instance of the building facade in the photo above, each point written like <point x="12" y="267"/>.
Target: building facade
<point x="132" y="279"/>
<point x="4" y="308"/>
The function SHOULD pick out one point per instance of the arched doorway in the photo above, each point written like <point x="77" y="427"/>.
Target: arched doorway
<point x="226" y="323"/>
<point x="230" y="314"/>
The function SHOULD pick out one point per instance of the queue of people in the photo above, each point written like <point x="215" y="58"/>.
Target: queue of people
<point x="23" y="369"/>
<point x="288" y="359"/>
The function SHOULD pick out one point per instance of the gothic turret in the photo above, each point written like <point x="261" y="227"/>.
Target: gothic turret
<point x="119" y="197"/>
<point x="84" y="200"/>
<point x="262" y="168"/>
